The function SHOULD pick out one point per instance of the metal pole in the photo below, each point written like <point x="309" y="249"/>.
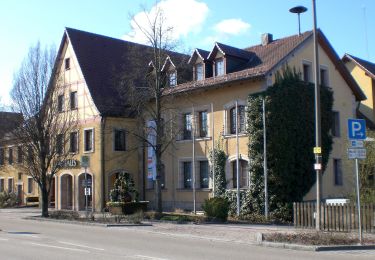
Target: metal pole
<point x="237" y="163"/>
<point x="265" y="162"/>
<point x="86" y="199"/>
<point x="213" y="150"/>
<point x="317" y="120"/>
<point x="193" y="164"/>
<point x="358" y="203"/>
<point x="299" y="24"/>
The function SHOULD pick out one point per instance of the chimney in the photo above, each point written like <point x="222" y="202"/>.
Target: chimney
<point x="266" y="38"/>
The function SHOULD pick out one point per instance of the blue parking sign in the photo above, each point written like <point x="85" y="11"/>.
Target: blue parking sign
<point x="357" y="129"/>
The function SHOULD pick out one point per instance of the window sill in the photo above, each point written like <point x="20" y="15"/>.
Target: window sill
<point x="197" y="189"/>
<point x="196" y="139"/>
<point x="226" y="136"/>
<point x="86" y="152"/>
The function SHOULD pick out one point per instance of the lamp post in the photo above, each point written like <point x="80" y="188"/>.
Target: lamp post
<point x="318" y="138"/>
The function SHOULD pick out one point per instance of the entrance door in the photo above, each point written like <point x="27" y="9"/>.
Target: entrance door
<point x="82" y="197"/>
<point x="20" y="194"/>
<point x="52" y="194"/>
<point x="66" y="192"/>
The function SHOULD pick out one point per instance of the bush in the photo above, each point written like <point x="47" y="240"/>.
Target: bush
<point x="216" y="208"/>
<point x="8" y="199"/>
<point x="64" y="214"/>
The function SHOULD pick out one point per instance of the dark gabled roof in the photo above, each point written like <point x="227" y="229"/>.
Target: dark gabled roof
<point x="263" y="59"/>
<point x="367" y="66"/>
<point x="105" y="62"/>
<point x="8" y="122"/>
<point x="199" y="52"/>
<point x="229" y="51"/>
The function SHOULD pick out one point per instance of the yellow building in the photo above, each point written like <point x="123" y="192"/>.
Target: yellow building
<point x="364" y="74"/>
<point x="222" y="80"/>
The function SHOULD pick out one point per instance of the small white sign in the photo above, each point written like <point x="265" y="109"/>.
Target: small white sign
<point x="87" y="191"/>
<point x="357" y="153"/>
<point x="356" y="144"/>
<point x="317" y="166"/>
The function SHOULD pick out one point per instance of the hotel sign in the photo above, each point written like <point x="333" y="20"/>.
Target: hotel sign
<point x="69" y="163"/>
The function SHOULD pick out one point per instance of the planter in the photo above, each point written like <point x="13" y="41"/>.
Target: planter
<point x="115" y="210"/>
<point x="127" y="208"/>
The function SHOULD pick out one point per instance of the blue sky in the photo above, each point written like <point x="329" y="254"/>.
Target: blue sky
<point x="197" y="24"/>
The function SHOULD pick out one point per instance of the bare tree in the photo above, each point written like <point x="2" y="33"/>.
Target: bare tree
<point x="151" y="97"/>
<point x="44" y="132"/>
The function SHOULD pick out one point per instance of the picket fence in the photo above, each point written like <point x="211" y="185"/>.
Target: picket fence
<point x="334" y="217"/>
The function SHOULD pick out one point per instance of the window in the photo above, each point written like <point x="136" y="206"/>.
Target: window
<point x="88" y="140"/>
<point x="172" y="79"/>
<point x="67" y="64"/>
<point x="1" y="185"/>
<point x="20" y="176"/>
<point x="337" y="168"/>
<point x="10" y="184"/>
<point x="30" y="185"/>
<point x="2" y="156"/>
<point x="73" y="100"/>
<point x="10" y="156"/>
<point x="59" y="144"/>
<point x="30" y="153"/>
<point x="240" y="117"/>
<point x="219" y="67"/>
<point x="60" y="103"/>
<point x="73" y="142"/>
<point x="119" y="140"/>
<point x="203" y="174"/>
<point x="243" y="173"/>
<point x="323" y="77"/>
<point x="187" y="175"/>
<point x="19" y="154"/>
<point x="187" y="126"/>
<point x="336" y="124"/>
<point x="199" y="71"/>
<point x="203" y="124"/>
<point x="307" y="73"/>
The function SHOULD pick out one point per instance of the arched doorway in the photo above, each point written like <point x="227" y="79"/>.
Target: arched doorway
<point x="66" y="191"/>
<point x="82" y="184"/>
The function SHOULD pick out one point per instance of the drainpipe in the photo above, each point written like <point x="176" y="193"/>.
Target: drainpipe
<point x="102" y="159"/>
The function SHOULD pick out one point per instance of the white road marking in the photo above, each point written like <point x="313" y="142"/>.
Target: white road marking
<point x="59" y="247"/>
<point x="78" y="245"/>
<point x="148" y="257"/>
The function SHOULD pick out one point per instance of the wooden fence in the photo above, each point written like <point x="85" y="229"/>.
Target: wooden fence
<point x="334" y="217"/>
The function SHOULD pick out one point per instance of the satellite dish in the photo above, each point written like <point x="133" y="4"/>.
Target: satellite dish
<point x="298" y="10"/>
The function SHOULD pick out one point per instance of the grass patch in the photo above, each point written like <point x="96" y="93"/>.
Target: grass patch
<point x="316" y="238"/>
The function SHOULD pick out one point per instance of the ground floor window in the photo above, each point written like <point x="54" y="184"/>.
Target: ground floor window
<point x="187" y="176"/>
<point x="1" y="185"/>
<point x="10" y="185"/>
<point x="30" y="185"/>
<point x="243" y="174"/>
<point x="203" y="174"/>
<point x="337" y="168"/>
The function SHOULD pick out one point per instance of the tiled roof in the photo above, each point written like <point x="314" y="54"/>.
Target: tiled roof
<point x="105" y="62"/>
<point x="264" y="58"/>
<point x="369" y="67"/>
<point x="8" y="122"/>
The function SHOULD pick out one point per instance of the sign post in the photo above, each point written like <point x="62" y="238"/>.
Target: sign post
<point x="356" y="135"/>
<point x="85" y="162"/>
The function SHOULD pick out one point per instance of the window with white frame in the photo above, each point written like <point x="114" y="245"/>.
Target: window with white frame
<point x="67" y="64"/>
<point x="243" y="174"/>
<point x="203" y="174"/>
<point x="60" y="144"/>
<point x="203" y="124"/>
<point x="187" y="126"/>
<point x="88" y="136"/>
<point x="60" y="103"/>
<point x="324" y="77"/>
<point x="219" y="67"/>
<point x="234" y="118"/>
<point x="73" y="142"/>
<point x="199" y="71"/>
<point x="73" y="100"/>
<point x="337" y="170"/>
<point x="119" y="140"/>
<point x="30" y="185"/>
<point x="187" y="175"/>
<point x="1" y="184"/>
<point x="172" y="77"/>
<point x="307" y="71"/>
<point x="19" y="154"/>
<point x="10" y="184"/>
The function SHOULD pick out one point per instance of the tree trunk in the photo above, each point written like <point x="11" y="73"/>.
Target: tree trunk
<point x="158" y="197"/>
<point x="45" y="194"/>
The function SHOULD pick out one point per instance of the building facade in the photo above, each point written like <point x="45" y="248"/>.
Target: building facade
<point x="206" y="102"/>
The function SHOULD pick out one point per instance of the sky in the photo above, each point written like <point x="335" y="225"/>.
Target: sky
<point x="348" y="24"/>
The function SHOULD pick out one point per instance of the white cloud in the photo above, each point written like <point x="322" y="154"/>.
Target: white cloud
<point x="232" y="26"/>
<point x="183" y="16"/>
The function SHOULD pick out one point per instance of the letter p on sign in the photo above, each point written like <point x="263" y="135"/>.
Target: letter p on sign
<point x="356" y="129"/>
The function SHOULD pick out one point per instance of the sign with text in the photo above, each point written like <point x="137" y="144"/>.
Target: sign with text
<point x="85" y="161"/>
<point x="356" y="153"/>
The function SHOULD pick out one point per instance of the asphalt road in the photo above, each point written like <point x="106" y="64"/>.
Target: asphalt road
<point x="29" y="239"/>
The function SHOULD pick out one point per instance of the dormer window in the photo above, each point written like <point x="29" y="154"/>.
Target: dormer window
<point x="219" y="67"/>
<point x="199" y="71"/>
<point x="172" y="78"/>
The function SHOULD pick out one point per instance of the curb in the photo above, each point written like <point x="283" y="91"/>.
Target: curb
<point x="261" y="242"/>
<point x="82" y="223"/>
